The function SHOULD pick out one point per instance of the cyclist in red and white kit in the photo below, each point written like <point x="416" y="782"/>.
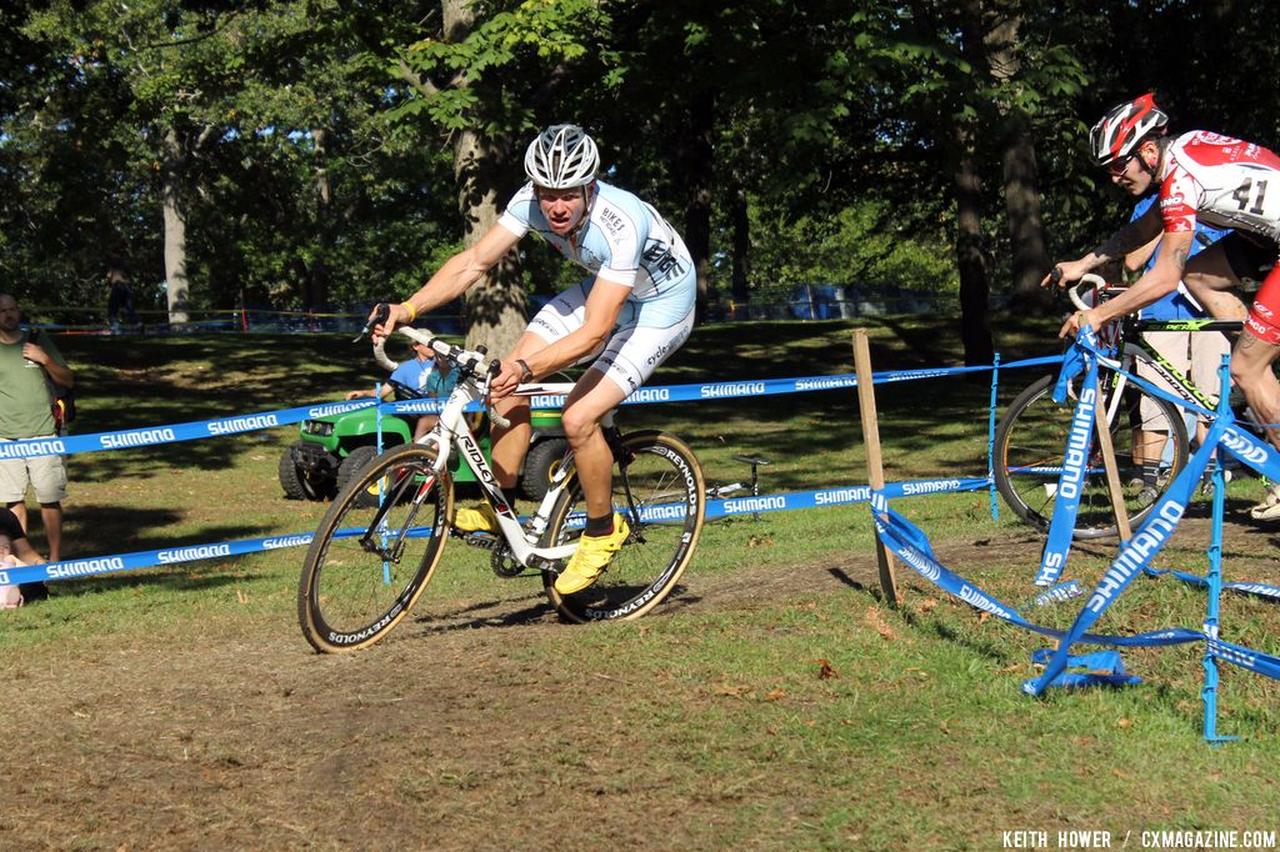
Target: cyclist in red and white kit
<point x="1222" y="181"/>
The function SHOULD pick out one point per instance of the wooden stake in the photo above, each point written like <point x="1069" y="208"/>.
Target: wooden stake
<point x="871" y="437"/>
<point x="1113" y="472"/>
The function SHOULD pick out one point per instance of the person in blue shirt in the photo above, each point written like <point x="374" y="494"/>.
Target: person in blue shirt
<point x="634" y="309"/>
<point x="1196" y="355"/>
<point x="420" y="373"/>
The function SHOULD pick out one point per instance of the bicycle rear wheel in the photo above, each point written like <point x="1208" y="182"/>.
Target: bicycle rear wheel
<point x="659" y="489"/>
<point x="1032" y="437"/>
<point x="369" y="564"/>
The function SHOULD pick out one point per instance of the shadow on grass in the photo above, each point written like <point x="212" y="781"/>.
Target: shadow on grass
<point x="469" y="617"/>
<point x="102" y="530"/>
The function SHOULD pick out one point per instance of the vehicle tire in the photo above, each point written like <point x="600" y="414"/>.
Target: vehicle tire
<point x="658" y="487"/>
<point x="351" y="467"/>
<point x="1031" y="441"/>
<point x="368" y="565"/>
<point x="540" y="465"/>
<point x="291" y="479"/>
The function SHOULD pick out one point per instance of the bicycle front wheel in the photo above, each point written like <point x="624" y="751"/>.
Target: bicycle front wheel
<point x="375" y="550"/>
<point x="1031" y="440"/>
<point x="659" y="489"/>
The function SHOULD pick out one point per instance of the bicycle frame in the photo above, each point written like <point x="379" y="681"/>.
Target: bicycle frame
<point x="452" y="430"/>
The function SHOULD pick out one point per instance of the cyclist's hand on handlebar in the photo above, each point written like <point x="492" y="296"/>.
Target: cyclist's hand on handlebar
<point x="383" y="320"/>
<point x="1072" y="326"/>
<point x="506" y="382"/>
<point x="1065" y="274"/>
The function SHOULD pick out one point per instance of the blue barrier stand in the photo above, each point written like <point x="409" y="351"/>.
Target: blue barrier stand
<point x="991" y="437"/>
<point x="1209" y="695"/>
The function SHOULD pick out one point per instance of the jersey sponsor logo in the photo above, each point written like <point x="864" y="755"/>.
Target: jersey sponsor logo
<point x="661" y="264"/>
<point x="611" y="221"/>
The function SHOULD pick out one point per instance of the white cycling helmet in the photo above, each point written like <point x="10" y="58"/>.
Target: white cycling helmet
<point x="561" y="157"/>
<point x="1119" y="132"/>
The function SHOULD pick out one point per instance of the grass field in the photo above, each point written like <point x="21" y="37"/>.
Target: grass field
<point x="774" y="701"/>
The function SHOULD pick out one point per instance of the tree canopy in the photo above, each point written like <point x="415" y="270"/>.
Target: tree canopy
<point x="325" y="153"/>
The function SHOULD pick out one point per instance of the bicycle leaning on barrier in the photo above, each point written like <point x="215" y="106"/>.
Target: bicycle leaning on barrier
<point x="1034" y="430"/>
<point x="371" y="559"/>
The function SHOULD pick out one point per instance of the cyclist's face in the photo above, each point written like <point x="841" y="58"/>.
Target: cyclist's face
<point x="563" y="208"/>
<point x="1130" y="175"/>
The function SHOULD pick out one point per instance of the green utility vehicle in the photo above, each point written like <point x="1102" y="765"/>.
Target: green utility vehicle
<point x="331" y="449"/>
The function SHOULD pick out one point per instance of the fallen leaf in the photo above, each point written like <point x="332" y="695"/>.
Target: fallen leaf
<point x="730" y="690"/>
<point x="983" y="616"/>
<point x="875" y="620"/>
<point x="1124" y="723"/>
<point x="825" y="671"/>
<point x="759" y="541"/>
<point x="926" y="605"/>
<point x="775" y="695"/>
<point x="242" y="597"/>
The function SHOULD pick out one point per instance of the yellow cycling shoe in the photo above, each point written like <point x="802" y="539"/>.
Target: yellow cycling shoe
<point x="593" y="555"/>
<point x="482" y="518"/>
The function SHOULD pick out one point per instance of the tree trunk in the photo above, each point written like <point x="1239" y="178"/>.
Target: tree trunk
<point x="741" y="252"/>
<point x="1022" y="207"/>
<point x="496" y="308"/>
<point x="175" y="232"/>
<point x="975" y="289"/>
<point x="316" y="283"/>
<point x="975" y="323"/>
<point x="1029" y="259"/>
<point x="696" y="158"/>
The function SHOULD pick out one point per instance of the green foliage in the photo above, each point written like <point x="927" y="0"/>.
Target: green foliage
<point x="862" y="244"/>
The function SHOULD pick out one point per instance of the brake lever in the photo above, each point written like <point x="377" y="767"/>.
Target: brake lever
<point x="379" y="316"/>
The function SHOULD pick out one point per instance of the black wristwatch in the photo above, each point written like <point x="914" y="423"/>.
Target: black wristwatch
<point x="527" y="375"/>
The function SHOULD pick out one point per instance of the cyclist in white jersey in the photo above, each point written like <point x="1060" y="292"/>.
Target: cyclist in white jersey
<point x="626" y="317"/>
<point x="1225" y="182"/>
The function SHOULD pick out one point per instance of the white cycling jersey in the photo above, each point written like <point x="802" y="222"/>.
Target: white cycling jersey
<point x="1223" y="181"/>
<point x="622" y="240"/>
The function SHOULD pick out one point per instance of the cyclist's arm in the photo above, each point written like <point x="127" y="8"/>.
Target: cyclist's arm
<point x="1159" y="281"/>
<point x="1137" y="259"/>
<point x="456" y="275"/>
<point x="604" y="304"/>
<point x="1132" y="236"/>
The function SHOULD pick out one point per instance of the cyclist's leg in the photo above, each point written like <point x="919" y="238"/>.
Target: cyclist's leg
<point x="1150" y="443"/>
<point x="1213" y="273"/>
<point x="592" y="398"/>
<point x="1255" y="351"/>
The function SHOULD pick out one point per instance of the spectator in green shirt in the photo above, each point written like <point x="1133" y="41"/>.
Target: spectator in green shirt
<point x="28" y="363"/>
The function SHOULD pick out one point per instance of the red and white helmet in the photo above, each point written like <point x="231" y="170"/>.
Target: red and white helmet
<point x="1123" y="128"/>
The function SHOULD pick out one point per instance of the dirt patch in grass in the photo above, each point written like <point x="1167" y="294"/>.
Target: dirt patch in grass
<point x="483" y="727"/>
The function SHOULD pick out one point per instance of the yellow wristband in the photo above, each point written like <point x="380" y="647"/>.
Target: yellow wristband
<point x="413" y="312"/>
